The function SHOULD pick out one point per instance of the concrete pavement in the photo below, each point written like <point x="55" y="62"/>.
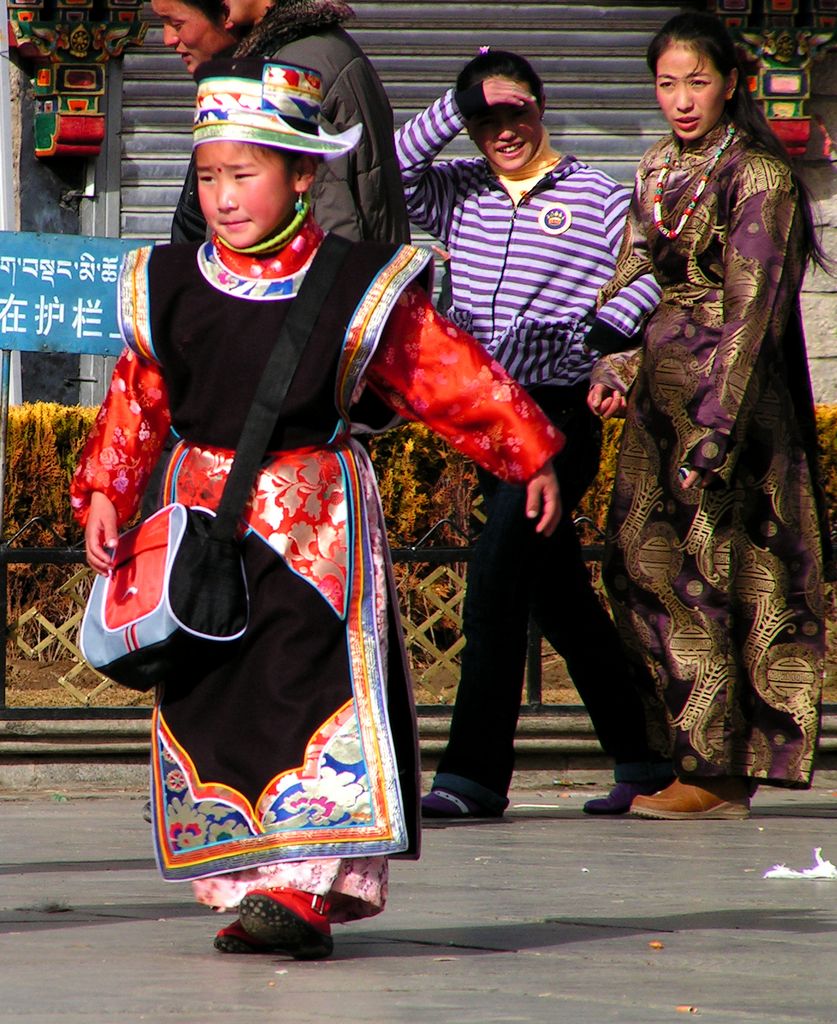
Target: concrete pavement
<point x="546" y="915"/>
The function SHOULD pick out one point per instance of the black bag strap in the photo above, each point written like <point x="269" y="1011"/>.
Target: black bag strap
<point x="276" y="380"/>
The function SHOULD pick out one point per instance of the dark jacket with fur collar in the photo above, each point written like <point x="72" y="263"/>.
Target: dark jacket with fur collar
<point x="359" y="195"/>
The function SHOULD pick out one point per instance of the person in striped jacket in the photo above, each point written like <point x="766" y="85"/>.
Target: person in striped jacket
<point x="531" y="235"/>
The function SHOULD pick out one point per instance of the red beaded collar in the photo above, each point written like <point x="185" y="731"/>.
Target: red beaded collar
<point x="284" y="262"/>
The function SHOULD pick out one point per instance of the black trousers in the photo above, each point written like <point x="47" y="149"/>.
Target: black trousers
<point x="515" y="571"/>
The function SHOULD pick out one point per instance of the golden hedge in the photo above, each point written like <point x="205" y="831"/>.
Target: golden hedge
<point x="423" y="482"/>
<point x="43" y="443"/>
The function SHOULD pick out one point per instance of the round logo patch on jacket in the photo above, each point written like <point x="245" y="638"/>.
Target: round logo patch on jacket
<point x="555" y="219"/>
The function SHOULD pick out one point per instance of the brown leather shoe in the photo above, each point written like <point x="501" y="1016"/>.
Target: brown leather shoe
<point x="714" y="798"/>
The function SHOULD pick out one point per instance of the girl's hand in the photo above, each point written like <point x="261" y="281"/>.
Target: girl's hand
<point x="100" y="534"/>
<point x="543" y="498"/>
<point x="606" y="402"/>
<point x="499" y="91"/>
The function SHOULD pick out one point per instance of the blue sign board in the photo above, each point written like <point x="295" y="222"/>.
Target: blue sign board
<point x="58" y="292"/>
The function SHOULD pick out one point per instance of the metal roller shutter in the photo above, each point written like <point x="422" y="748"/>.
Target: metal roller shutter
<point x="600" y="105"/>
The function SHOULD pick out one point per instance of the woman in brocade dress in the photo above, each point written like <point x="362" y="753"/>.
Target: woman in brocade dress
<point x="715" y="557"/>
<point x="284" y="778"/>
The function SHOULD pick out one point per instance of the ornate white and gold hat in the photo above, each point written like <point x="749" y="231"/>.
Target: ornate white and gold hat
<point x="252" y="100"/>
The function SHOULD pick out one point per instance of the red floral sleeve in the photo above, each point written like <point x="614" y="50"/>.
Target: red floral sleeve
<point x="126" y="439"/>
<point x="429" y="370"/>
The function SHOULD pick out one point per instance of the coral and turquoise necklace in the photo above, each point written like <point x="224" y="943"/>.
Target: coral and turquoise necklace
<point x="704" y="178"/>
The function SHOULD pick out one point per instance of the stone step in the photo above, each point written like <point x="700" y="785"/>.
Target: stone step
<point x="52" y="753"/>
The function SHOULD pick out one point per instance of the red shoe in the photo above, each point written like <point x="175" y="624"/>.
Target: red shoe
<point x="234" y="939"/>
<point x="288" y="921"/>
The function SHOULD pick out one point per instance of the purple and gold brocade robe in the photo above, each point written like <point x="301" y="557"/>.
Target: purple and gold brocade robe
<point x="722" y="588"/>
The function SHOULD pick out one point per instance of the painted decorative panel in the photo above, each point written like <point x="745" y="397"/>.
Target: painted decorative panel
<point x="66" y="45"/>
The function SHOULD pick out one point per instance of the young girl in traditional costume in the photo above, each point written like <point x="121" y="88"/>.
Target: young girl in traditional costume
<point x="284" y="778"/>
<point x="714" y="565"/>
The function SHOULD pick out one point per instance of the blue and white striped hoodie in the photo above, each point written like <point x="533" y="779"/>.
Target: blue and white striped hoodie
<point x="524" y="278"/>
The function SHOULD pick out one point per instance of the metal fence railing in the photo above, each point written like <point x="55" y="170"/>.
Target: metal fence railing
<point x="431" y="582"/>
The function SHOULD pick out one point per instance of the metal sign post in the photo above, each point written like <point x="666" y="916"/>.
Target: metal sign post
<point x="7" y="223"/>
<point x="7" y="204"/>
<point x="9" y="362"/>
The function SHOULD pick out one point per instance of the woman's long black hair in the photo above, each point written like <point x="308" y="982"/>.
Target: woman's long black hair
<point x="708" y="37"/>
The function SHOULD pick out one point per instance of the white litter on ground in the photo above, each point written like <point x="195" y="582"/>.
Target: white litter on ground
<point x="821" y="869"/>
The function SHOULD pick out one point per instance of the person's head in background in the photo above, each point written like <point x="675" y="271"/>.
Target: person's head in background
<point x="196" y="30"/>
<point x="700" y="83"/>
<point x="246" y="13"/>
<point x="507" y="127"/>
<point x="698" y="78"/>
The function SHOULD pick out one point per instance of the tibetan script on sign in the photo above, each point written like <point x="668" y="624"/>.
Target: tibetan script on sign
<point x="58" y="292"/>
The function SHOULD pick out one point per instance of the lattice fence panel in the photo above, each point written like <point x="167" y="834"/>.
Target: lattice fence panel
<point x="45" y="666"/>
<point x="431" y="617"/>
